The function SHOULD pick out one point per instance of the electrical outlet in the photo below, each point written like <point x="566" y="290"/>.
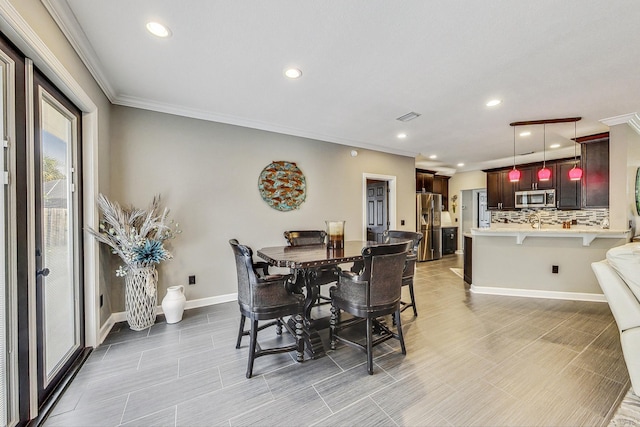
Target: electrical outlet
<point x="554" y="269"/>
<point x="192" y="280"/>
<point x="402" y="222"/>
<point x="101" y="300"/>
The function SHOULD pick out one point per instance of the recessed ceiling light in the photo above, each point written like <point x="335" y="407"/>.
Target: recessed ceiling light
<point x="494" y="102"/>
<point x="554" y="146"/>
<point x="402" y="135"/>
<point x="460" y="164"/>
<point x="157" y="29"/>
<point x="525" y="133"/>
<point x="433" y="156"/>
<point x="293" y="73"/>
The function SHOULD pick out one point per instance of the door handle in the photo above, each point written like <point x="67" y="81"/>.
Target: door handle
<point x="45" y="271"/>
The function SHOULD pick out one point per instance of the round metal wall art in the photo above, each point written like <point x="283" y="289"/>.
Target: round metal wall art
<point x="282" y="185"/>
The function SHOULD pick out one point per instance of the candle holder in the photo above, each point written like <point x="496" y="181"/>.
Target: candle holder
<point x="335" y="253"/>
<point x="335" y="231"/>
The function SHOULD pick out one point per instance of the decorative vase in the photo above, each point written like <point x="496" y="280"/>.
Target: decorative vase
<point x="173" y="304"/>
<point x="335" y="231"/>
<point x="140" y="297"/>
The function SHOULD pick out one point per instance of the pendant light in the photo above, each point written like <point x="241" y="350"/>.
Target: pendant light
<point x="544" y="174"/>
<point x="514" y="174"/>
<point x="575" y="174"/>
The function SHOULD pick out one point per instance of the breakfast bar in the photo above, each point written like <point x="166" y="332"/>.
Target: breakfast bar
<point x="549" y="262"/>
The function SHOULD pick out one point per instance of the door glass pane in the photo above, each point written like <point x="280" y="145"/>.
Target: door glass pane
<point x="60" y="317"/>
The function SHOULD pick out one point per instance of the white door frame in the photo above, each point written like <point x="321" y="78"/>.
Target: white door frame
<point x="391" y="206"/>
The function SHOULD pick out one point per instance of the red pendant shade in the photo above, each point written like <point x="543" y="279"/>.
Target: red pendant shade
<point x="544" y="174"/>
<point x="575" y="174"/>
<point x="514" y="175"/>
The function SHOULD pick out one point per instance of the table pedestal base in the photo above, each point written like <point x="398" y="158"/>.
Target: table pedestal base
<point x="313" y="345"/>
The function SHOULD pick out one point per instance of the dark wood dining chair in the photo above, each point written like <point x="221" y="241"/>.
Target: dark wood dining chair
<point x="265" y="298"/>
<point x="397" y="236"/>
<point x="370" y="295"/>
<point x="322" y="275"/>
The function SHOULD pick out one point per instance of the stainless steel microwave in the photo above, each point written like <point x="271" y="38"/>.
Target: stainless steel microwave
<point x="536" y="199"/>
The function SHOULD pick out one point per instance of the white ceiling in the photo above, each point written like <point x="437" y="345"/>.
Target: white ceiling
<point x="367" y="62"/>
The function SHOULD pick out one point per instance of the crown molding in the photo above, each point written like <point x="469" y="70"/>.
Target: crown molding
<point x="177" y="110"/>
<point x="632" y="119"/>
<point x="70" y="27"/>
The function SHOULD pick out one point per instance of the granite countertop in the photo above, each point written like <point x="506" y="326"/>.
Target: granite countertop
<point x="522" y="231"/>
<point x="549" y="228"/>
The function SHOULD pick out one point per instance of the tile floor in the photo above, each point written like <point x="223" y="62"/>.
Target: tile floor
<point x="472" y="360"/>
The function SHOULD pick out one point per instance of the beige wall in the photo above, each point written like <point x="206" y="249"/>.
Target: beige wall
<point x="208" y="173"/>
<point x="464" y="181"/>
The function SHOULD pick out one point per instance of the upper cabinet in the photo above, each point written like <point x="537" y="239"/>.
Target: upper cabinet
<point x="568" y="193"/>
<point x="424" y="181"/>
<point x="441" y="186"/>
<point x="500" y="191"/>
<point x="429" y="182"/>
<point x="595" y="170"/>
<point x="529" y="178"/>
<point x="590" y="192"/>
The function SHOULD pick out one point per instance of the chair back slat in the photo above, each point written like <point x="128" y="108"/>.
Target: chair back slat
<point x="397" y="236"/>
<point x="385" y="283"/>
<point x="244" y="269"/>
<point x="305" y="237"/>
<point x="383" y="267"/>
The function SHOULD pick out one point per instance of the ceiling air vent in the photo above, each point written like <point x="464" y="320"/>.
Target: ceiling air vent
<point x="409" y="116"/>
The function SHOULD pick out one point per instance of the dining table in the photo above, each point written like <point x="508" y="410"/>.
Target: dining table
<point x="304" y="262"/>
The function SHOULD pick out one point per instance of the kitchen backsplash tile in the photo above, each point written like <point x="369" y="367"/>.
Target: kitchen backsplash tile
<point x="584" y="216"/>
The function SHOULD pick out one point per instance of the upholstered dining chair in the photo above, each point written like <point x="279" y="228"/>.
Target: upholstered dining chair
<point x="370" y="295"/>
<point x="322" y="275"/>
<point x="265" y="298"/>
<point x="397" y="236"/>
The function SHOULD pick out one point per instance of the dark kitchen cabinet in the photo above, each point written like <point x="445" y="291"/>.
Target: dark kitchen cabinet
<point x="468" y="245"/>
<point x="529" y="177"/>
<point x="424" y="181"/>
<point x="500" y="191"/>
<point x="441" y="186"/>
<point x="568" y="193"/>
<point x="429" y="182"/>
<point x="595" y="167"/>
<point x="449" y="240"/>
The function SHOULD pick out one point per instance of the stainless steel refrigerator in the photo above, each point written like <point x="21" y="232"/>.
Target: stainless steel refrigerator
<point x="428" y="210"/>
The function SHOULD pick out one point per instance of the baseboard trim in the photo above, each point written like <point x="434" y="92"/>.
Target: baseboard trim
<point x="121" y="316"/>
<point x="535" y="293"/>
<point x="106" y="328"/>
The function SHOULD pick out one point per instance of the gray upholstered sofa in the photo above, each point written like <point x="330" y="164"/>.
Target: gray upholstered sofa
<point x="619" y="278"/>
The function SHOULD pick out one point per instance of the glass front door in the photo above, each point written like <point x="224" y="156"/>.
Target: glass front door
<point x="58" y="276"/>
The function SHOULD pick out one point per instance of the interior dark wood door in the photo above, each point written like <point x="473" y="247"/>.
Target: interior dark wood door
<point x="377" y="216"/>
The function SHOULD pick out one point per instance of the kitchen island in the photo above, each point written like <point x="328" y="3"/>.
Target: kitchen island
<point x="550" y="262"/>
